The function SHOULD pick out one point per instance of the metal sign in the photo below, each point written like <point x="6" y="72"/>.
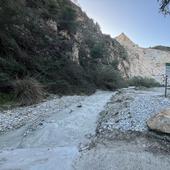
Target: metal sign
<point x="167" y="77"/>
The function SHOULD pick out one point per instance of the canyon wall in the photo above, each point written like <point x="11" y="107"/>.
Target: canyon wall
<point x="145" y="62"/>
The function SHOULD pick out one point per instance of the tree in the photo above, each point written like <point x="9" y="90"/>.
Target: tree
<point x="99" y="50"/>
<point x="10" y="12"/>
<point x="68" y="20"/>
<point x="164" y="6"/>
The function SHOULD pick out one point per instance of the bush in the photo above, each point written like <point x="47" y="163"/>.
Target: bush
<point x="108" y="78"/>
<point x="28" y="91"/>
<point x="144" y="82"/>
<point x="67" y="20"/>
<point x="98" y="51"/>
<point x="6" y="98"/>
<point x="61" y="87"/>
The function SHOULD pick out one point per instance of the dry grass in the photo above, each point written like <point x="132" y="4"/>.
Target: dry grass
<point x="28" y="91"/>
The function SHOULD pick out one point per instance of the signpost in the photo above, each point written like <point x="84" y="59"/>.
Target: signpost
<point x="167" y="75"/>
<point x="166" y="85"/>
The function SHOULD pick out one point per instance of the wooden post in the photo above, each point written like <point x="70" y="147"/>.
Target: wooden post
<point x="166" y="84"/>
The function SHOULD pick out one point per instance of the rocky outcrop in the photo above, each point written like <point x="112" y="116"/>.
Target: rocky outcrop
<point x="160" y="122"/>
<point x="145" y="62"/>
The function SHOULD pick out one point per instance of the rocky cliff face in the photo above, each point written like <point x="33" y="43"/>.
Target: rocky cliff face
<point x="145" y="62"/>
<point x="89" y="39"/>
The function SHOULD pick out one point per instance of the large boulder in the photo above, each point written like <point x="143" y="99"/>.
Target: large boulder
<point x="160" y="122"/>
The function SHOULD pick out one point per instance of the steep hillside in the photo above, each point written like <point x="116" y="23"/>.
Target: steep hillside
<point x="145" y="62"/>
<point x="54" y="42"/>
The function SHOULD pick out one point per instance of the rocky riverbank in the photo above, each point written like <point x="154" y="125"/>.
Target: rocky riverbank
<point x="130" y="109"/>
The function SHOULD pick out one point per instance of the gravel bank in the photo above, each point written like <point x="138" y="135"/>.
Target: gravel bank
<point x="15" y="118"/>
<point x="130" y="109"/>
<point x="119" y="143"/>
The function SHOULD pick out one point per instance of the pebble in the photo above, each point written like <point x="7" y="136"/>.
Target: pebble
<point x="15" y="118"/>
<point x="141" y="106"/>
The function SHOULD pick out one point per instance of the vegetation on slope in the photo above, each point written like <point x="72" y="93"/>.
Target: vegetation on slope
<point x="163" y="48"/>
<point x="143" y="82"/>
<point x="36" y="42"/>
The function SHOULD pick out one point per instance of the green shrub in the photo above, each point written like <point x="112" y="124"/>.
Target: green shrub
<point x="6" y="98"/>
<point x="143" y="81"/>
<point x="115" y="64"/>
<point x="97" y="51"/>
<point x="10" y="13"/>
<point x="67" y="20"/>
<point x="3" y="78"/>
<point x="61" y="87"/>
<point x="108" y="78"/>
<point x="5" y="83"/>
<point x="28" y="91"/>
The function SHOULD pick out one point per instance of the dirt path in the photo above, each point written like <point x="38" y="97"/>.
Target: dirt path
<point x="122" y="155"/>
<point x="53" y="144"/>
<point x="123" y="141"/>
<point x="63" y="136"/>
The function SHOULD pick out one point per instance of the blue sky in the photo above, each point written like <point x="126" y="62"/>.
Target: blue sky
<point x="138" y="19"/>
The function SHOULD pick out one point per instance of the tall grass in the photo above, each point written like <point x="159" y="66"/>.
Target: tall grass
<point x="28" y="91"/>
